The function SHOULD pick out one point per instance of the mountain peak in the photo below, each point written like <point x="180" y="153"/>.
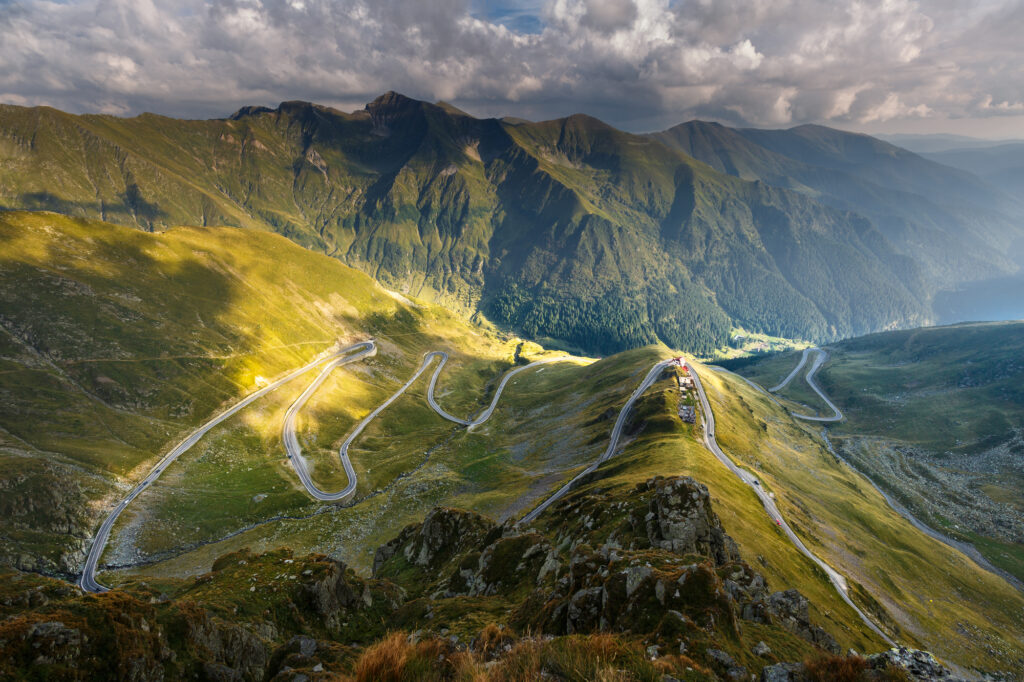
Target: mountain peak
<point x="392" y="100"/>
<point x="249" y="110"/>
<point x="697" y="123"/>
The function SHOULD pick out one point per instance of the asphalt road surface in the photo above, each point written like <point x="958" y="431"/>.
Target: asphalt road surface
<point x="796" y="370"/>
<point x="819" y="360"/>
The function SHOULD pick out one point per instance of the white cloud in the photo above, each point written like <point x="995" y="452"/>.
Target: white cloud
<point x="636" y="63"/>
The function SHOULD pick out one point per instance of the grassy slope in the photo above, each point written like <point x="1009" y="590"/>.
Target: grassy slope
<point x="952" y="400"/>
<point x="115" y="342"/>
<point x="934" y="595"/>
<point x="956" y="388"/>
<point x="938" y="397"/>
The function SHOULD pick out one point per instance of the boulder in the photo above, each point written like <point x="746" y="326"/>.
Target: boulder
<point x="722" y="662"/>
<point x="920" y="665"/>
<point x="783" y="672"/>
<point x="584" y="611"/>
<point x="680" y="519"/>
<point x="790" y="610"/>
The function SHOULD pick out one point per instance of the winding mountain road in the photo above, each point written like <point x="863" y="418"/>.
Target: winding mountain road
<point x="345" y="356"/>
<point x="87" y="581"/>
<point x="711" y="443"/>
<point x="366" y="349"/>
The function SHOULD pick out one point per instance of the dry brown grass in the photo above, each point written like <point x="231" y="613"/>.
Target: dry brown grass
<point x="522" y="664"/>
<point x="396" y="659"/>
<point x="492" y="640"/>
<point x="599" y="657"/>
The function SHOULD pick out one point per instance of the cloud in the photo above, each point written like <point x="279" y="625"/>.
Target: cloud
<point x="641" y="64"/>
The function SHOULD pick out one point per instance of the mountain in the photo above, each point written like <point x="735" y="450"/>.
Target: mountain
<point x="1001" y="165"/>
<point x="566" y="229"/>
<point x="925" y="144"/>
<point x="953" y="225"/>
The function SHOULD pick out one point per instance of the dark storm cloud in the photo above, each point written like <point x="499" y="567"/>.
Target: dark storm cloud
<point x="637" y="63"/>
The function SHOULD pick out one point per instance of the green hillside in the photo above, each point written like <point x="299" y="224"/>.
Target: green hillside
<point x="114" y="342"/>
<point x="567" y="229"/>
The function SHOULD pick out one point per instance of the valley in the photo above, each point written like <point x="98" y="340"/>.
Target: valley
<point x="511" y="341"/>
<point x="925" y="456"/>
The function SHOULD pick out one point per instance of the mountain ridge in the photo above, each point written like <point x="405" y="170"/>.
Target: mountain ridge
<point x="567" y="228"/>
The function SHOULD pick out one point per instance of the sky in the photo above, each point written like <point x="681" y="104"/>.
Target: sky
<point x="878" y="66"/>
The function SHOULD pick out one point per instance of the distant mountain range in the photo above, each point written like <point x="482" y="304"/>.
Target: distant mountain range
<point x="924" y="143"/>
<point x="569" y="229"/>
<point x="1000" y="165"/>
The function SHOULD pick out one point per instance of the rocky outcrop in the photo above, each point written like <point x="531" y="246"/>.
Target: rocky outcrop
<point x="224" y="650"/>
<point x="442" y="535"/>
<point x="664" y="564"/>
<point x="790" y="610"/>
<point x="332" y="593"/>
<point x="680" y="520"/>
<point x="920" y="665"/>
<point x="55" y="643"/>
<point x="504" y="565"/>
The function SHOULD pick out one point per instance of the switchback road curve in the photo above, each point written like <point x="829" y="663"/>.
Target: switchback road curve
<point x="819" y="359"/>
<point x="294" y="450"/>
<point x="87" y="581"/>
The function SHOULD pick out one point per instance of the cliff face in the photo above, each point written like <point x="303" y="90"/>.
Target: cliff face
<point x="649" y="584"/>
